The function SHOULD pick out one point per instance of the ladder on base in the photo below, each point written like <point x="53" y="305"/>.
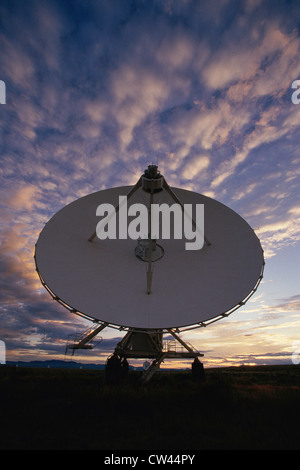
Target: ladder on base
<point x="147" y="374"/>
<point x="85" y="340"/>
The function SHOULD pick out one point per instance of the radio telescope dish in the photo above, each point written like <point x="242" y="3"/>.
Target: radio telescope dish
<point x="109" y="281"/>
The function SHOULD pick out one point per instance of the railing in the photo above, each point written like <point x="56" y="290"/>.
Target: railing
<point x="175" y="346"/>
<point x="84" y="340"/>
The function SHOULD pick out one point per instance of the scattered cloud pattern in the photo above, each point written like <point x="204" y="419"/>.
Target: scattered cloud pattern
<point x="95" y="91"/>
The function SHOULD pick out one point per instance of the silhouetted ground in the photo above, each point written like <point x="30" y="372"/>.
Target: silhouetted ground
<point x="235" y="408"/>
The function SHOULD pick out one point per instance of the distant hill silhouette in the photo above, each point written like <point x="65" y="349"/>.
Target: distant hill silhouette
<point x="58" y="364"/>
<point x="55" y="364"/>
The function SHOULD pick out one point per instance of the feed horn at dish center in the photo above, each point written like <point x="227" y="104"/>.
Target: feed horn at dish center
<point x="144" y="286"/>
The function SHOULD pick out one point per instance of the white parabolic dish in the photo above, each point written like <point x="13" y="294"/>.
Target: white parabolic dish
<point x="105" y="281"/>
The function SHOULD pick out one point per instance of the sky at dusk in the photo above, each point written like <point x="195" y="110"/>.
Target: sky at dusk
<point x="96" y="91"/>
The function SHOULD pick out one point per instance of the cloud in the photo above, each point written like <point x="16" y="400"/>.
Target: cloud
<point x="291" y="303"/>
<point x="176" y="50"/>
<point x="25" y="198"/>
<point x="18" y="66"/>
<point x="274" y="236"/>
<point x="137" y="94"/>
<point x="194" y="166"/>
<point x="263" y="60"/>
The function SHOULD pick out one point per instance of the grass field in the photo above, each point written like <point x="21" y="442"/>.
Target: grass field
<point x="235" y="408"/>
